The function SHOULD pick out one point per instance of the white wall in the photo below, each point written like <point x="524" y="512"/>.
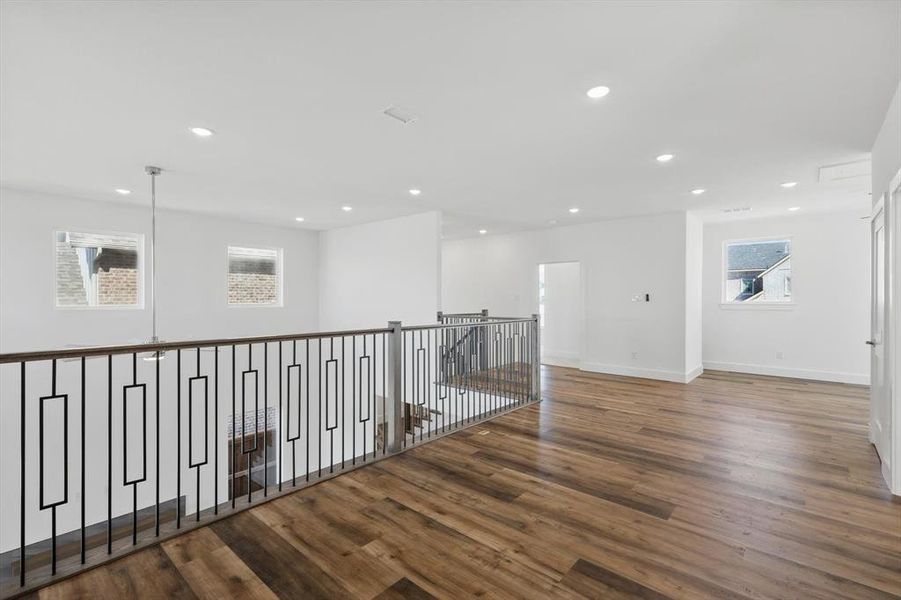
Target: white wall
<point x="378" y="272"/>
<point x="821" y="336"/>
<point x="191" y="275"/>
<point x="694" y="257"/>
<point x="620" y="259"/>
<point x="561" y="337"/>
<point x="886" y="158"/>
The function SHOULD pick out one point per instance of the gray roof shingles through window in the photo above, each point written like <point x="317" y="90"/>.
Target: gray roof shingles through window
<point x="757" y="255"/>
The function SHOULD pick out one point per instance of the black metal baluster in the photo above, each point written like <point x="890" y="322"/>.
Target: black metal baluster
<point x="125" y="480"/>
<point x="307" y="362"/>
<point x="206" y="421"/>
<point x="370" y="396"/>
<point x="288" y="436"/>
<point x="384" y="397"/>
<point x="178" y="440"/>
<point x="319" y="434"/>
<point x="22" y="480"/>
<point x="256" y="419"/>
<point x="83" y="403"/>
<point x="281" y="420"/>
<point x="109" y="457"/>
<point x="157" y="424"/>
<point x="353" y="399"/>
<point x="343" y="399"/>
<point x="234" y="462"/>
<point x="265" y="419"/>
<point x="428" y="369"/>
<point x="215" y="430"/>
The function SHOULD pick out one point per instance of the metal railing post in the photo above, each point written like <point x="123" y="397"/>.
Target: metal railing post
<point x="394" y="410"/>
<point x="483" y="342"/>
<point x="536" y="358"/>
<point x="440" y="317"/>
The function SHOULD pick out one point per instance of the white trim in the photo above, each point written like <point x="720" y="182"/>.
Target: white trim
<point x="758" y="305"/>
<point x="812" y="374"/>
<point x="659" y="374"/>
<point x="561" y="359"/>
<point x="893" y="327"/>
<point x="694" y="373"/>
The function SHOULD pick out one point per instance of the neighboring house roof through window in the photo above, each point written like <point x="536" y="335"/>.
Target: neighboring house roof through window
<point x="757" y="256"/>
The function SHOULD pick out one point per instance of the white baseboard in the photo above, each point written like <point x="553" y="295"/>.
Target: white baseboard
<point x="694" y="373"/>
<point x="837" y="376"/>
<point x="659" y="374"/>
<point x="561" y="359"/>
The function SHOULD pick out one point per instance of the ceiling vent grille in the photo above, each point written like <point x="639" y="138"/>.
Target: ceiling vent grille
<point x="736" y="210"/>
<point x="400" y="114"/>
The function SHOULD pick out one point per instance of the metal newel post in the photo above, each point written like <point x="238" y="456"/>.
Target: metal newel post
<point x="440" y="317"/>
<point x="536" y="358"/>
<point x="483" y="342"/>
<point x="394" y="410"/>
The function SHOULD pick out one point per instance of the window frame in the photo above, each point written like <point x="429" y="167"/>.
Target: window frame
<point x="139" y="237"/>
<point x="279" y="276"/>
<point x="724" y="270"/>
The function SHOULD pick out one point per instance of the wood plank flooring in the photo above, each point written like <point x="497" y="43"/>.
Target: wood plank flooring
<point x="733" y="486"/>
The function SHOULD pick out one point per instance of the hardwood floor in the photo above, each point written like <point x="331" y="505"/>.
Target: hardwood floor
<point x="732" y="486"/>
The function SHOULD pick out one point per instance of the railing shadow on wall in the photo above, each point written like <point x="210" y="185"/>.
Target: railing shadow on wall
<point x="107" y="450"/>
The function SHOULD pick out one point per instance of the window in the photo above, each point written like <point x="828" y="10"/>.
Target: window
<point x="254" y="276"/>
<point x="757" y="272"/>
<point x="98" y="270"/>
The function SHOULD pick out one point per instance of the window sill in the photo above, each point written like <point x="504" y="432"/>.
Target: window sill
<point x="757" y="305"/>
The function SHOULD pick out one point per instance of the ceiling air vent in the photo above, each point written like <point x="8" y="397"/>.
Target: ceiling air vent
<point x="845" y="171"/>
<point x="736" y="210"/>
<point x="401" y="114"/>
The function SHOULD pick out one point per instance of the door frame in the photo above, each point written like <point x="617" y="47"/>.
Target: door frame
<point x="893" y="324"/>
<point x="581" y="353"/>
<point x="882" y="394"/>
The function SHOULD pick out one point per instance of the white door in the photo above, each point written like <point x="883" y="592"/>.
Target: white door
<point x="880" y="405"/>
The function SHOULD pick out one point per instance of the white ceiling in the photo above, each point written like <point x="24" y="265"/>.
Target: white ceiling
<point x="745" y="94"/>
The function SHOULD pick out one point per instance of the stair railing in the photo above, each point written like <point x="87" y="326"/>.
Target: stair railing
<point x="110" y="449"/>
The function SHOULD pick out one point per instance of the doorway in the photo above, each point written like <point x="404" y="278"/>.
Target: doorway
<point x="560" y="313"/>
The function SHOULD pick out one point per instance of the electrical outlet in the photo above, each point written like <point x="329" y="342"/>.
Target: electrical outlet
<point x="779" y="356"/>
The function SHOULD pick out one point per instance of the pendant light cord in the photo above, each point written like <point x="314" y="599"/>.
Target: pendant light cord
<point x="153" y="172"/>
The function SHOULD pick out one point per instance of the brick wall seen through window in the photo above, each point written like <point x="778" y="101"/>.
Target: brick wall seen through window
<point x="97" y="270"/>
<point x="254" y="276"/>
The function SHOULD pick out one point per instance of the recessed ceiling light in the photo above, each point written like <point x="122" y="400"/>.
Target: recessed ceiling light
<point x="122" y="191"/>
<point x="574" y="210"/>
<point x="201" y="131"/>
<point x="553" y="221"/>
<point x="789" y="184"/>
<point x="483" y="231"/>
<point x="698" y="191"/>
<point x="415" y="192"/>
<point x="299" y="219"/>
<point x="665" y="158"/>
<point x="598" y="92"/>
<point x="794" y="208"/>
<point x="347" y="208"/>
